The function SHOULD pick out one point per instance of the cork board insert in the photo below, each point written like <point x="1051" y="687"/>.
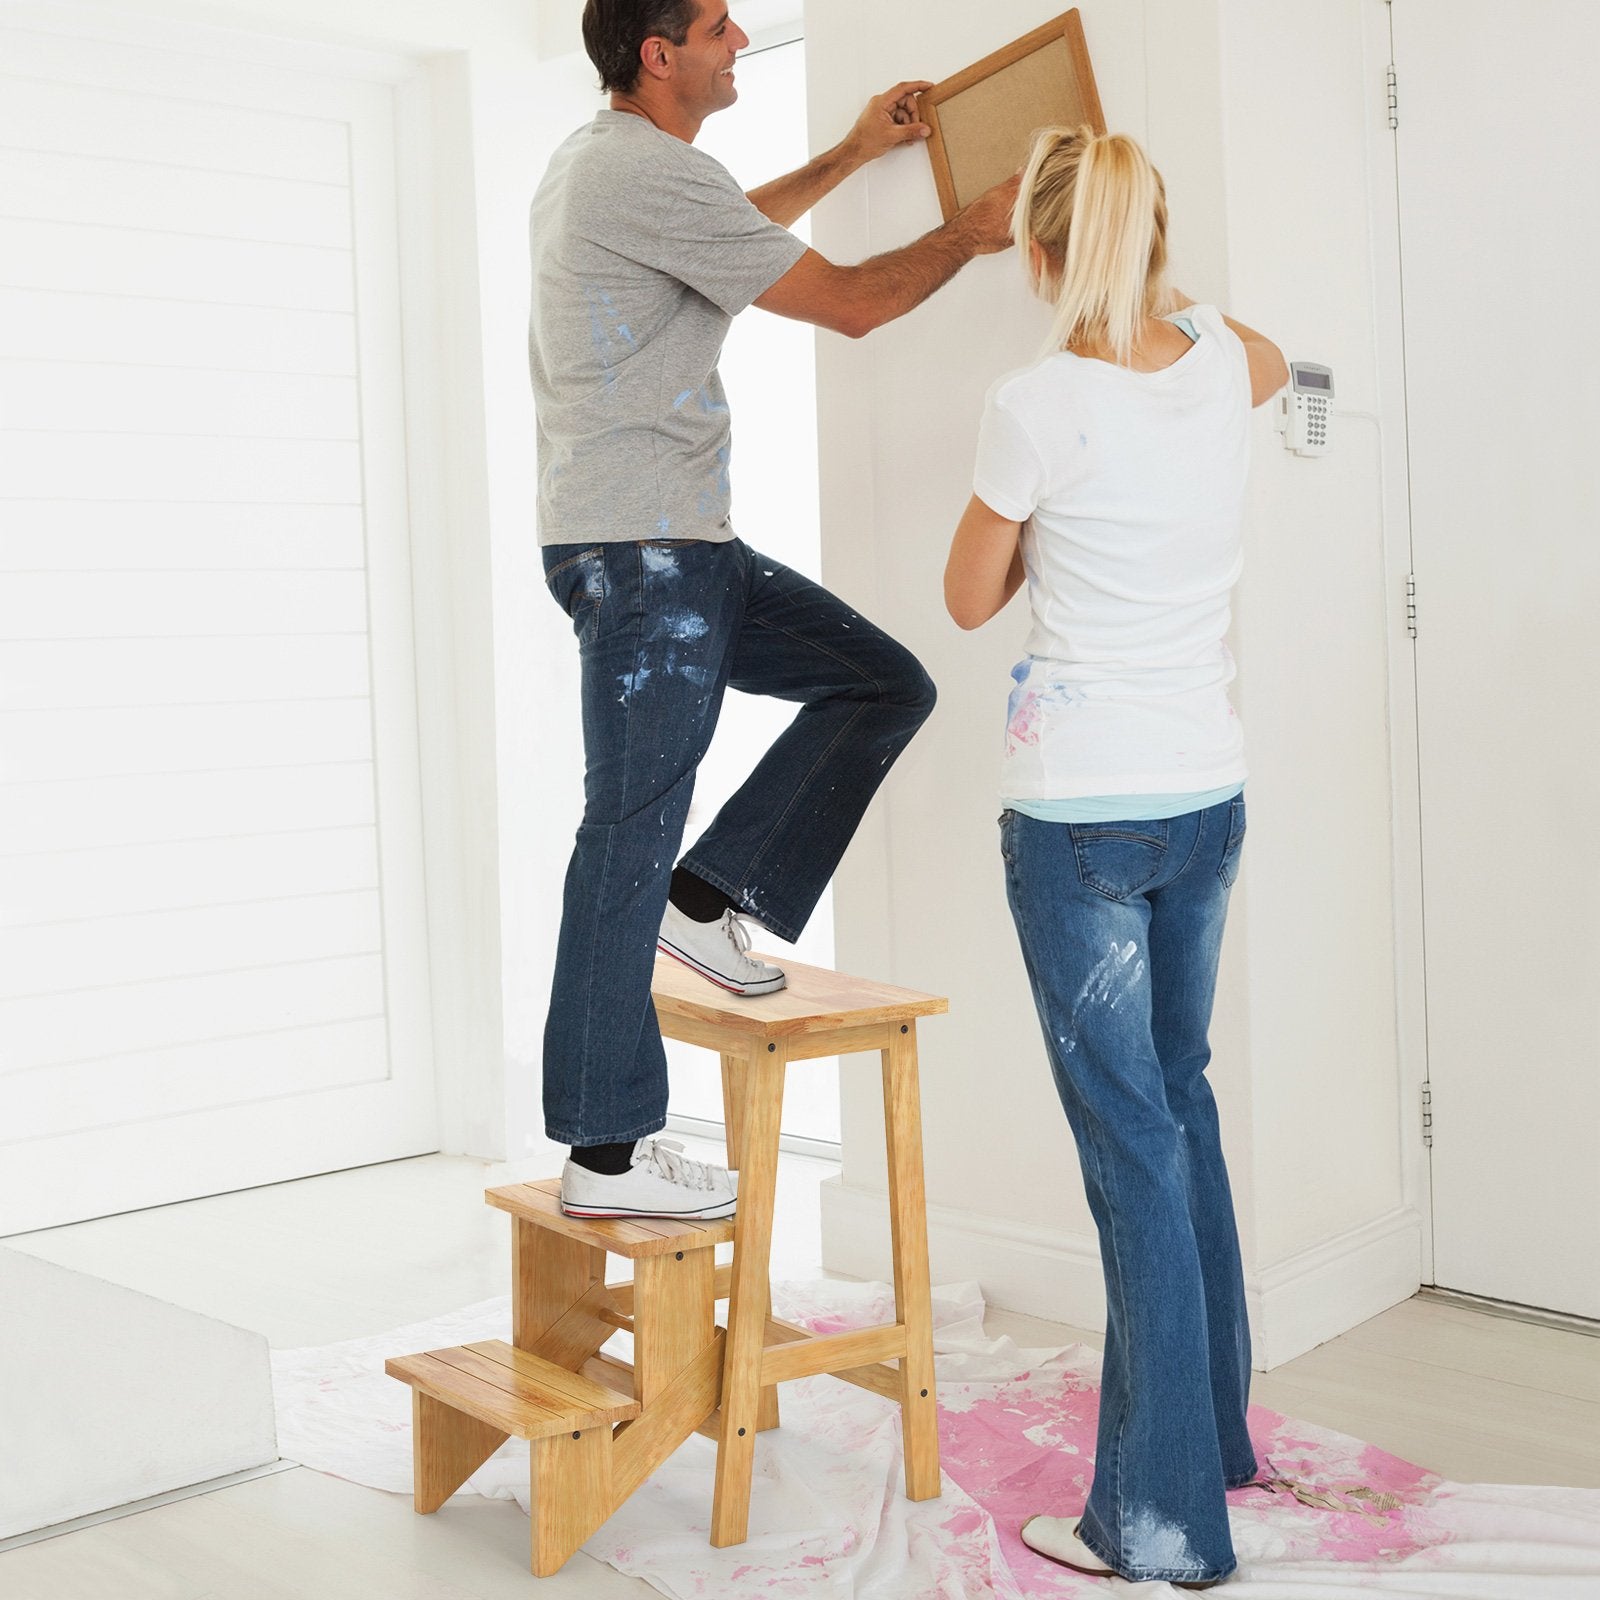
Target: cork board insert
<point x="984" y="118"/>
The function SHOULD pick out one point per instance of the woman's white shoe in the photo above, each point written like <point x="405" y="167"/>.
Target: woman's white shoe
<point x="1056" y="1538"/>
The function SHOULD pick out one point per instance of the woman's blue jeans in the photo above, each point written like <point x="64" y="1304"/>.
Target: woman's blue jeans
<point x="664" y="628"/>
<point x="1121" y="930"/>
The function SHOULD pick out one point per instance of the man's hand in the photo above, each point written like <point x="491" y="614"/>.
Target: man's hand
<point x="889" y="120"/>
<point x="987" y="221"/>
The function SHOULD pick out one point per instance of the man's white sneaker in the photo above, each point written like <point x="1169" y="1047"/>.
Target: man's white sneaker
<point x="662" y="1182"/>
<point x="719" y="951"/>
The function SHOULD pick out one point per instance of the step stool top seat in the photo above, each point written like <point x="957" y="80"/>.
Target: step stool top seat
<point x="815" y="1000"/>
<point x="518" y="1393"/>
<point x="540" y="1204"/>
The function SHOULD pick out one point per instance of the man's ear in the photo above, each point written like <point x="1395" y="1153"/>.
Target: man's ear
<point x="656" y="57"/>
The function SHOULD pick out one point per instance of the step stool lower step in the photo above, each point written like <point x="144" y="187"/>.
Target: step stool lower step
<point x="512" y="1391"/>
<point x="466" y="1401"/>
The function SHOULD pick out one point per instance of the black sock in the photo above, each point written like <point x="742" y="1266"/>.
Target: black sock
<point x="611" y="1160"/>
<point x="695" y="898"/>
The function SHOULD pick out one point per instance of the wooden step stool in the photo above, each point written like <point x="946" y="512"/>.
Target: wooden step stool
<point x="598" y="1427"/>
<point x="819" y="1013"/>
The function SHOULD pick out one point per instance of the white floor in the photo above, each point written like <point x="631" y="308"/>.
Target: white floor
<point x="1473" y="1396"/>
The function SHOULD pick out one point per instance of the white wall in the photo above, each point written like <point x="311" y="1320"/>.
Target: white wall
<point x="1282" y="227"/>
<point x="1287" y="232"/>
<point x="498" y="84"/>
<point x="497" y="690"/>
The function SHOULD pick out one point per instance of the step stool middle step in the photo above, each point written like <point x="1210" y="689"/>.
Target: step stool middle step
<point x="539" y="1204"/>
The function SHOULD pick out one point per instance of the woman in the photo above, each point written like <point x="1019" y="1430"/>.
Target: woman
<point x="1111" y="476"/>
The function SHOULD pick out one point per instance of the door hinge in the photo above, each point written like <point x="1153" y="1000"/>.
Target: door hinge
<point x="1427" y="1116"/>
<point x="1411" y="604"/>
<point x="1393" y="86"/>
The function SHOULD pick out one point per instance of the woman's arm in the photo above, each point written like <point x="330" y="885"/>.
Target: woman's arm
<point x="985" y="565"/>
<point x="1268" y="370"/>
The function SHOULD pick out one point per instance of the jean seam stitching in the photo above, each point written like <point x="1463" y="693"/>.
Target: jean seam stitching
<point x="588" y="988"/>
<point x="821" y="649"/>
<point x="638" y="646"/>
<point x="605" y="869"/>
<point x="1122" y="1300"/>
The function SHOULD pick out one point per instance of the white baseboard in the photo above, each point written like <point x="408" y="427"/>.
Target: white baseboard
<point x="1295" y="1304"/>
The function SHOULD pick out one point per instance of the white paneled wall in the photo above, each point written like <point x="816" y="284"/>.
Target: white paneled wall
<point x="212" y="928"/>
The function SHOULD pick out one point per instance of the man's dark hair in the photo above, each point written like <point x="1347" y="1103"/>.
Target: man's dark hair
<point x="613" y="30"/>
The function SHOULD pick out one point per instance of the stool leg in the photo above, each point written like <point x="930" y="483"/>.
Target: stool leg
<point x="673" y="1318"/>
<point x="913" y="1300"/>
<point x="747" y="1300"/>
<point x="571" y="1493"/>
<point x="550" y="1275"/>
<point x="735" y="1071"/>
<point x="735" y="1075"/>
<point x="447" y="1447"/>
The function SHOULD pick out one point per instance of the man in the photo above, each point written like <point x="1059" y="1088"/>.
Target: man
<point x="644" y="249"/>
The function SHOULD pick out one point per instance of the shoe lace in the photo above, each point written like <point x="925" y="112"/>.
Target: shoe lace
<point x="666" y="1158"/>
<point x="733" y="925"/>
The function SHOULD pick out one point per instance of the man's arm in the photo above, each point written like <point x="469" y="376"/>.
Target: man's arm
<point x="855" y="300"/>
<point x="889" y="120"/>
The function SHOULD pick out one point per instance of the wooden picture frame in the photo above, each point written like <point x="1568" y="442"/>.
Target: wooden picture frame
<point x="984" y="118"/>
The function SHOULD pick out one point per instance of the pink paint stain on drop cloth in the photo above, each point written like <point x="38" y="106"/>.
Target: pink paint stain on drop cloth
<point x="1027" y="1447"/>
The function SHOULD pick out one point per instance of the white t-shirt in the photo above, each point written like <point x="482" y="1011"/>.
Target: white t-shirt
<point x="1131" y="488"/>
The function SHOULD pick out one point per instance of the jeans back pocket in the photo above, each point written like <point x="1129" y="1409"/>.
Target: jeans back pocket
<point x="1118" y="859"/>
<point x="1229" y="868"/>
<point x="576" y="580"/>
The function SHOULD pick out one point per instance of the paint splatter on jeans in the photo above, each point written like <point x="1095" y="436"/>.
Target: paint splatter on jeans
<point x="664" y="628"/>
<point x="1121" y="930"/>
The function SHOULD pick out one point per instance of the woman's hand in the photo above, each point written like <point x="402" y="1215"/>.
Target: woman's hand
<point x="985" y="565"/>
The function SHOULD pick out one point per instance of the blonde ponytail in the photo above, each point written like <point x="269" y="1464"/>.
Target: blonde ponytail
<point x="1091" y="224"/>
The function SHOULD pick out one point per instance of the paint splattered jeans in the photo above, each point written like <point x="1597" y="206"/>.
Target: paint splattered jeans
<point x="1121" y="929"/>
<point x="664" y="628"/>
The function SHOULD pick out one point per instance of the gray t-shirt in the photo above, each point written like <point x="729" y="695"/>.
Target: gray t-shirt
<point x="644" y="250"/>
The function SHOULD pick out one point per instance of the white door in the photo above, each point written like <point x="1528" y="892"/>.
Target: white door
<point x="769" y="369"/>
<point x="212" y="961"/>
<point x="1499" y="146"/>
